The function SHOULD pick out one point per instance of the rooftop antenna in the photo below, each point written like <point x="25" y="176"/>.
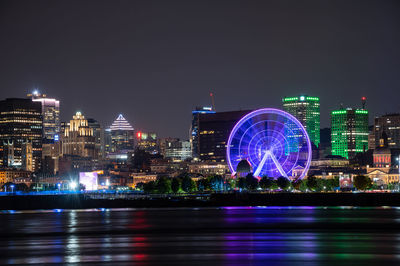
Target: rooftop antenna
<point x="212" y="100"/>
<point x="363" y="102"/>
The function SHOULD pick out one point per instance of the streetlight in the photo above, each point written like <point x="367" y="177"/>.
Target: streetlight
<point x="12" y="188"/>
<point x="59" y="186"/>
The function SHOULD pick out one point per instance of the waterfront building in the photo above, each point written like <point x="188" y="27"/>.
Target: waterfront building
<point x="307" y="110"/>
<point x="390" y="124"/>
<point x="382" y="156"/>
<point x="10" y="174"/>
<point x="78" y="138"/>
<point x="20" y="122"/>
<point x="194" y="130"/>
<point x="209" y="168"/>
<point x="50" y="115"/>
<point x="349" y="132"/>
<point x="213" y="131"/>
<point x="178" y="150"/>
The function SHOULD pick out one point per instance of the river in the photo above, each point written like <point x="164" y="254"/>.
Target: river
<point x="203" y="236"/>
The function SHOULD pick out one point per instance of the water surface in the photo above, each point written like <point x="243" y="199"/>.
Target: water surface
<point x="203" y="236"/>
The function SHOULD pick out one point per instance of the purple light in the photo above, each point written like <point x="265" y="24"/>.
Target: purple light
<point x="269" y="139"/>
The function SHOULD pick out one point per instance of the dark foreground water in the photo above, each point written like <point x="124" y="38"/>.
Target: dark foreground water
<point x="204" y="236"/>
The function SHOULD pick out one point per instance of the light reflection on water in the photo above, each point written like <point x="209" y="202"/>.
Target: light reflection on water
<point x="227" y="236"/>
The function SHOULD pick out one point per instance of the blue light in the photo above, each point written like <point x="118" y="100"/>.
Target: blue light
<point x="56" y="138"/>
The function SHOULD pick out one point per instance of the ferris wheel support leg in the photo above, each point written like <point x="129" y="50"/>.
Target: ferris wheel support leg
<point x="278" y="165"/>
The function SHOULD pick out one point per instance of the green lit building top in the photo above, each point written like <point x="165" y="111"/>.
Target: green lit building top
<point x="349" y="132"/>
<point x="307" y="110"/>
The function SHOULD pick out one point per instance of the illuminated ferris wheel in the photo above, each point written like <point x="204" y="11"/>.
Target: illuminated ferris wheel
<point x="274" y="143"/>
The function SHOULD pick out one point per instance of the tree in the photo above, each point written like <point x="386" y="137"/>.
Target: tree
<point x="311" y="182"/>
<point x="251" y="182"/>
<point x="175" y="185"/>
<point x="140" y="186"/>
<point x="242" y="183"/>
<point x="297" y="183"/>
<point x="217" y="183"/>
<point x="283" y="182"/>
<point x="362" y="182"/>
<point x="267" y="182"/>
<point x="203" y="184"/>
<point x="188" y="185"/>
<point x="163" y="185"/>
<point x="149" y="187"/>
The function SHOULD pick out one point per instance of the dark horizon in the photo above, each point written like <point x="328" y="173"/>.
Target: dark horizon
<point x="155" y="61"/>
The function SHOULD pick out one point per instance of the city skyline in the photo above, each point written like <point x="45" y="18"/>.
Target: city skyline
<point x="160" y="62"/>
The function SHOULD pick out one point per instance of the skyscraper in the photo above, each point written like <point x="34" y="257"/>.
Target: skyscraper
<point x="20" y="123"/>
<point x="390" y="124"/>
<point x="213" y="131"/>
<point x="120" y="137"/>
<point x="194" y="129"/>
<point x="78" y="138"/>
<point x="98" y="134"/>
<point x="349" y="133"/>
<point x="307" y="110"/>
<point x="50" y="115"/>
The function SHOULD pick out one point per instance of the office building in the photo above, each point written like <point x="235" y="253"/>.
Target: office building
<point x="213" y="133"/>
<point x="307" y="110"/>
<point x="120" y="137"/>
<point x="78" y="138"/>
<point x="147" y="141"/>
<point x="178" y="150"/>
<point x="194" y="129"/>
<point x="390" y="124"/>
<point x="50" y="115"/>
<point x="349" y="132"/>
<point x="98" y="134"/>
<point x="163" y="143"/>
<point x="20" y="123"/>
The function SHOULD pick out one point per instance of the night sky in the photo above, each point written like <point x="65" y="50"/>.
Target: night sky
<point x="154" y="61"/>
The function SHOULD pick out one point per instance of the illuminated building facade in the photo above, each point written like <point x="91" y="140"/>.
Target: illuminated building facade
<point x="78" y="138"/>
<point x="164" y="143"/>
<point x="349" y="132"/>
<point x="147" y="142"/>
<point x="194" y="129"/>
<point x="120" y="137"/>
<point x="214" y="130"/>
<point x="20" y="122"/>
<point x="307" y="110"/>
<point x="390" y="124"/>
<point x="178" y="150"/>
<point x="382" y="155"/>
<point x="50" y="115"/>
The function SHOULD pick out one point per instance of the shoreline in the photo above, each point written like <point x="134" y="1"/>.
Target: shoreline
<point x="84" y="201"/>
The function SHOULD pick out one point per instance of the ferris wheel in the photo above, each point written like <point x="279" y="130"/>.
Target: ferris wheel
<point x="274" y="143"/>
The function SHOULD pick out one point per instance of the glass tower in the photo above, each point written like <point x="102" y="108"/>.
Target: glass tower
<point x="50" y="114"/>
<point x="307" y="110"/>
<point x="349" y="132"/>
